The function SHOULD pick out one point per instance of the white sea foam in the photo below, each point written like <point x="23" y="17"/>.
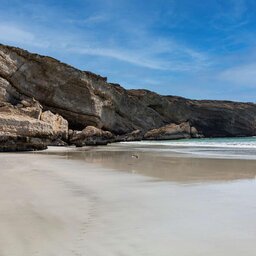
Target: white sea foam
<point x="241" y="148"/>
<point x="248" y="142"/>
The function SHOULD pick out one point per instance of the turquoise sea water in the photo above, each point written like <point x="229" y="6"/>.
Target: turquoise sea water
<point x="242" y="147"/>
<point x="246" y="142"/>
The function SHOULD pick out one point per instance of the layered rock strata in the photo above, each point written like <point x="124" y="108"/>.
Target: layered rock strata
<point x="32" y="85"/>
<point x="20" y="132"/>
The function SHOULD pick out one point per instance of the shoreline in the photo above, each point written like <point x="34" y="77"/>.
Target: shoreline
<point x="151" y="162"/>
<point x="100" y="201"/>
<point x="174" y="148"/>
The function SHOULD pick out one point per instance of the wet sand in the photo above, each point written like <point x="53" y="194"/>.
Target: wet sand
<point x="111" y="201"/>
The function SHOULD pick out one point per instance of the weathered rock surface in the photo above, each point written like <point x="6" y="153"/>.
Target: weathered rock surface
<point x="172" y="131"/>
<point x="91" y="136"/>
<point x="12" y="143"/>
<point x="31" y="82"/>
<point x="19" y="132"/>
<point x="80" y="97"/>
<point x="30" y="107"/>
<point x="133" y="136"/>
<point x="211" y="118"/>
<point x="58" y="123"/>
<point x="21" y="129"/>
<point x="136" y="135"/>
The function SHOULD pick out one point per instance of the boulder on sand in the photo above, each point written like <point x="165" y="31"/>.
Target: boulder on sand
<point x="172" y="131"/>
<point x="90" y="136"/>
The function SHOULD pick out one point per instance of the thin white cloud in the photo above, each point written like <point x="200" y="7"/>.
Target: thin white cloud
<point x="241" y="75"/>
<point x="143" y="58"/>
<point x="160" y="54"/>
<point x="131" y="43"/>
<point x="14" y="34"/>
<point x="10" y="33"/>
<point x="122" y="55"/>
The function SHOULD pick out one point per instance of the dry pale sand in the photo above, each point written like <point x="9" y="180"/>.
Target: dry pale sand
<point x="106" y="202"/>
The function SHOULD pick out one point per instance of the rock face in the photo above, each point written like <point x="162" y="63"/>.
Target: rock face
<point x="211" y="118"/>
<point x="19" y="132"/>
<point x="172" y="131"/>
<point x="22" y="129"/>
<point x="136" y="135"/>
<point x="91" y="136"/>
<point x="58" y="123"/>
<point x="34" y="83"/>
<point x="80" y="97"/>
<point x="12" y="143"/>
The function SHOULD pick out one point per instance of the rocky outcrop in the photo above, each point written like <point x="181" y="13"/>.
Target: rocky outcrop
<point x="19" y="132"/>
<point x="173" y="131"/>
<point x="90" y="136"/>
<point x="211" y="118"/>
<point x="59" y="125"/>
<point x="22" y="129"/>
<point x="30" y="107"/>
<point x="80" y="97"/>
<point x="13" y="143"/>
<point x="32" y="83"/>
<point x="136" y="135"/>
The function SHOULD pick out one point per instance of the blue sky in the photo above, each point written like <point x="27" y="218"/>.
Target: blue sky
<point x="196" y="49"/>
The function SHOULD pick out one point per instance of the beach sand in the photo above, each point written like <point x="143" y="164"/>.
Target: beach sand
<point x="111" y="201"/>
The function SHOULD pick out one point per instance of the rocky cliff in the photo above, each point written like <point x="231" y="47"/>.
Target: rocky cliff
<point x="85" y="99"/>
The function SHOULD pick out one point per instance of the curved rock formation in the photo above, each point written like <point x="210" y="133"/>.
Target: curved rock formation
<point x="32" y="83"/>
<point x="80" y="97"/>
